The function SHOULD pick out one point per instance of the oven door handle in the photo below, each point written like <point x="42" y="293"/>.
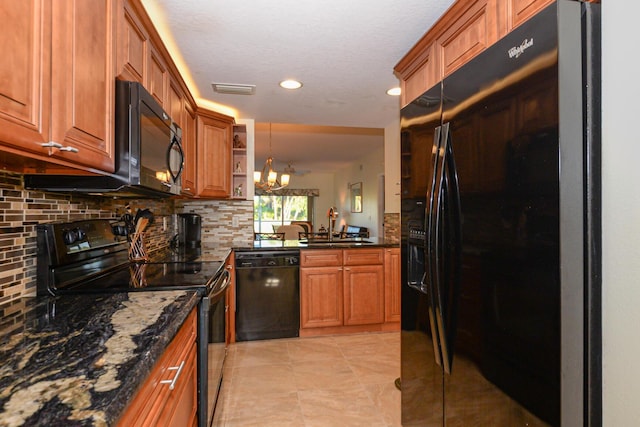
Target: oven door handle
<point x="218" y="291"/>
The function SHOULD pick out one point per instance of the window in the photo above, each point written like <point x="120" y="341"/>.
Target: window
<point x="271" y="211"/>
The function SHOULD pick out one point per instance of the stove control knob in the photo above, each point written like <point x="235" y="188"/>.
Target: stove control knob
<point x="80" y="234"/>
<point x="69" y="236"/>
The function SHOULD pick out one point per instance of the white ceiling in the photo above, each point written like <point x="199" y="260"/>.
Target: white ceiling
<point x="343" y="51"/>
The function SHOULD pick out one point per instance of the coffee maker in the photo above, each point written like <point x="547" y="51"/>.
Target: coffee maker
<point x="189" y="226"/>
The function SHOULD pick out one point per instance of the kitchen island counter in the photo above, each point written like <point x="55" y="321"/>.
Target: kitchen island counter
<point x="274" y="245"/>
<point x="80" y="359"/>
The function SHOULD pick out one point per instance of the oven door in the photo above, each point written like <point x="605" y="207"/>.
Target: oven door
<point x="216" y="345"/>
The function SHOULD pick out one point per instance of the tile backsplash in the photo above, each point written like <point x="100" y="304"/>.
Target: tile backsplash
<point x="224" y="223"/>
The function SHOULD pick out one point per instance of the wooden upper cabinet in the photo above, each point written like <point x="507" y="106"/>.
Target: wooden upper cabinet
<point x="471" y="27"/>
<point x="176" y="99"/>
<point x="142" y="57"/>
<point x="189" y="147"/>
<point x="467" y="28"/>
<point x="25" y="80"/>
<point x="392" y="284"/>
<point x="422" y="75"/>
<point x="133" y="46"/>
<point x="157" y="77"/>
<point x="83" y="84"/>
<point x="213" y="154"/>
<point x="521" y="10"/>
<point x="57" y="81"/>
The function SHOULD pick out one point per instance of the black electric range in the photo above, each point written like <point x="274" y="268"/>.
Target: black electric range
<point x="90" y="256"/>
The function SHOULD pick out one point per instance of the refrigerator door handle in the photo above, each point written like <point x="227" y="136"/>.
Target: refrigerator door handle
<point x="446" y="283"/>
<point x="429" y="252"/>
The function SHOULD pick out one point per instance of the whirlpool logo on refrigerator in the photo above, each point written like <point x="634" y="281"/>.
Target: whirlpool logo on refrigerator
<point x="516" y="51"/>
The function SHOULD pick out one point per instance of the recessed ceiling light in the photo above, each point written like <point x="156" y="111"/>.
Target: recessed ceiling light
<point x="290" y="84"/>
<point x="394" y="91"/>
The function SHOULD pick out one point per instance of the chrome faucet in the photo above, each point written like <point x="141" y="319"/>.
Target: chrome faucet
<point x="332" y="214"/>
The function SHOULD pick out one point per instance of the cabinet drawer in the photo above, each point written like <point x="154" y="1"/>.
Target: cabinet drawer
<point x="363" y="256"/>
<point x="152" y="402"/>
<point x="321" y="258"/>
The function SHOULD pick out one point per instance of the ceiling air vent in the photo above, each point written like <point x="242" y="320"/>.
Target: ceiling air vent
<point x="234" y="89"/>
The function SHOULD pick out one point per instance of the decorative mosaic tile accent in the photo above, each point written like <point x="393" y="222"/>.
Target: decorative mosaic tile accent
<point x="392" y="227"/>
<point x="225" y="223"/>
<point x="21" y="210"/>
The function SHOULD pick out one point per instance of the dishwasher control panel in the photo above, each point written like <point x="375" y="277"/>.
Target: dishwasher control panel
<point x="267" y="259"/>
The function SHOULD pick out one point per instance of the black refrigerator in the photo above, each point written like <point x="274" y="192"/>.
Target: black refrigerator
<point x="501" y="233"/>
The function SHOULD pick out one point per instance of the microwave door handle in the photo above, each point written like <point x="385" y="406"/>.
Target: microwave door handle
<point x="175" y="143"/>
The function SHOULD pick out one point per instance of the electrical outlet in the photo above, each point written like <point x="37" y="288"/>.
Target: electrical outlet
<point x="234" y="221"/>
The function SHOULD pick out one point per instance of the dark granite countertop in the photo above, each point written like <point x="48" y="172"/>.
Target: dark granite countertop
<point x="275" y="245"/>
<point x="78" y="360"/>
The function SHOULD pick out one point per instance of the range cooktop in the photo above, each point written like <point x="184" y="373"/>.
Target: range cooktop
<point x="88" y="256"/>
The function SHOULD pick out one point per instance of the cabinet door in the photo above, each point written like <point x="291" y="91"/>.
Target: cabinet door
<point x="25" y="81"/>
<point x="471" y="29"/>
<point x="392" y="283"/>
<point x="155" y="403"/>
<point x="189" y="147"/>
<point x="132" y="46"/>
<point x="214" y="157"/>
<point x="362" y="256"/>
<point x="176" y="100"/>
<point x="521" y="10"/>
<point x="181" y="408"/>
<point x="420" y="76"/>
<point x="321" y="258"/>
<point x="321" y="298"/>
<point x="363" y="294"/>
<point x="157" y="78"/>
<point x="83" y="84"/>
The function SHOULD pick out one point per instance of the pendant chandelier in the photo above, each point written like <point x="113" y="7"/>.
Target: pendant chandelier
<point x="268" y="178"/>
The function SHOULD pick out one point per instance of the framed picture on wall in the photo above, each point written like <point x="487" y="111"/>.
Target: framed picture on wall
<point x="355" y="191"/>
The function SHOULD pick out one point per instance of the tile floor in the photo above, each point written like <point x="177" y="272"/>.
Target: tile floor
<point x="341" y="380"/>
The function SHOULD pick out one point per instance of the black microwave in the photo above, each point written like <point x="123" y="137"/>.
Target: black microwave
<point x="148" y="158"/>
<point x="148" y="142"/>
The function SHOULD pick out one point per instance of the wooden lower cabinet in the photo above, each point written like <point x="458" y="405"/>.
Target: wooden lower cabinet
<point x="343" y="291"/>
<point x="392" y="284"/>
<point x="321" y="297"/>
<point x="169" y="395"/>
<point x="363" y="294"/>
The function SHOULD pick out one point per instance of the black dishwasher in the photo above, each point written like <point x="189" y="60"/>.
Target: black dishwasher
<point x="267" y="295"/>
